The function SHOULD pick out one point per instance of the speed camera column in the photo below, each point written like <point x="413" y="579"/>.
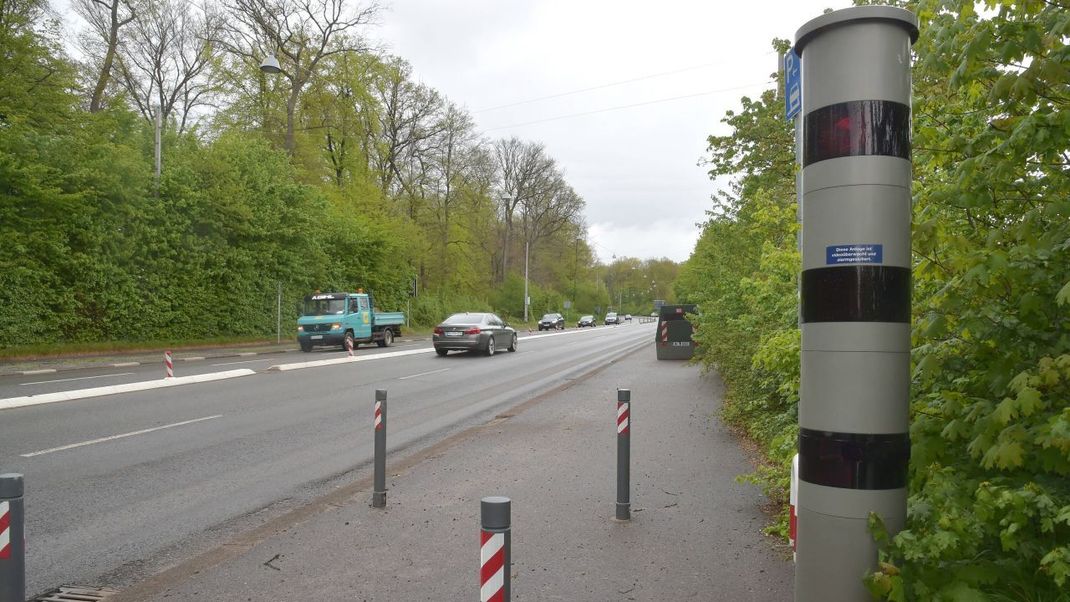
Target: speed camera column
<point x="854" y="293"/>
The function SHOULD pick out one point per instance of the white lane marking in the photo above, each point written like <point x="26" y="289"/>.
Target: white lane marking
<point x="41" y="371"/>
<point x="242" y="362"/>
<point x="347" y="360"/>
<point x="32" y="400"/>
<point x="126" y="364"/>
<point x="423" y="374"/>
<point x="114" y="437"/>
<point x="63" y="380"/>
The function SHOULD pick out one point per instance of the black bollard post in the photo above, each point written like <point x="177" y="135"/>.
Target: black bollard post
<point x="624" y="454"/>
<point x="379" y="490"/>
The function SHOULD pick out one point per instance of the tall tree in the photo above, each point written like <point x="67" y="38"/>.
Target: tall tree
<point x="105" y="18"/>
<point x="165" y="56"/>
<point x="300" y="33"/>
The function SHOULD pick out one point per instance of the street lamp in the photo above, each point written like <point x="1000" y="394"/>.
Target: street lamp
<point x="270" y="64"/>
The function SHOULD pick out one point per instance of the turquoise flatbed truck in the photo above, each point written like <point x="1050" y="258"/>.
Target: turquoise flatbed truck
<point x="335" y="318"/>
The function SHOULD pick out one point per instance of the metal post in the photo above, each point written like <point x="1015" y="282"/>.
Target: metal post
<point x="495" y="544"/>
<point x="624" y="454"/>
<point x="278" y="316"/>
<point x="12" y="539"/>
<point x="854" y="446"/>
<point x="159" y="151"/>
<point x="379" y="490"/>
<point x="526" y="298"/>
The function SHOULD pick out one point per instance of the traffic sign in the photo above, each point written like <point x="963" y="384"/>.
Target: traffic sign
<point x="792" y="85"/>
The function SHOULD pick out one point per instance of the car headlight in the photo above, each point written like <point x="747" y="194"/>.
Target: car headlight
<point x="335" y="326"/>
<point x="300" y="328"/>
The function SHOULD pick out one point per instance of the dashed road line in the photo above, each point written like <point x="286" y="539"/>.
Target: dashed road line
<point x="114" y="437"/>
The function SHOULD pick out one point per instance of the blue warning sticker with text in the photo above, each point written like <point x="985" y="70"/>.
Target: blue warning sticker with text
<point x="854" y="254"/>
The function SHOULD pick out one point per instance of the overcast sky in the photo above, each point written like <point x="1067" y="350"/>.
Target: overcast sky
<point x="637" y="168"/>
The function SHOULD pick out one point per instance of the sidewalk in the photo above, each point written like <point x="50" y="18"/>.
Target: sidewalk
<point x="695" y="532"/>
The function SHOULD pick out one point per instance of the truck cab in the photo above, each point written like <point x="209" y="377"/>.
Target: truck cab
<point x="329" y="319"/>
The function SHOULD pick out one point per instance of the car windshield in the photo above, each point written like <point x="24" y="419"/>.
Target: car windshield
<point x="611" y="315"/>
<point x="464" y="319"/>
<point x="323" y="307"/>
<point x="586" y="318"/>
<point x="549" y="317"/>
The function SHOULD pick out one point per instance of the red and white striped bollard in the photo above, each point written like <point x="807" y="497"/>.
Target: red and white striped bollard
<point x="624" y="454"/>
<point x="349" y="347"/>
<point x="12" y="539"/>
<point x="495" y="542"/>
<point x="169" y="364"/>
<point x="379" y="475"/>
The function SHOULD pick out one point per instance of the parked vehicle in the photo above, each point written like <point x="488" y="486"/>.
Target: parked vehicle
<point x="473" y="331"/>
<point x="628" y="317"/>
<point x="612" y="318"/>
<point x="335" y="318"/>
<point x="586" y="321"/>
<point x="555" y="321"/>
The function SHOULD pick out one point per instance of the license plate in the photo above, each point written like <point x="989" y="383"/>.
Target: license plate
<point x="317" y="337"/>
<point x="453" y="334"/>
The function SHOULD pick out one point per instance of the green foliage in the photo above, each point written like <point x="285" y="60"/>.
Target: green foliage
<point x="743" y="274"/>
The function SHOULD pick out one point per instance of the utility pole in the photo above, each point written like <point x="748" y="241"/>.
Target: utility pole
<point x="278" y="315"/>
<point x="526" y="299"/>
<point x="159" y="126"/>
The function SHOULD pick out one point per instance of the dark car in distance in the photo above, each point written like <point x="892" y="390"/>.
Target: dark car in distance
<point x="555" y="321"/>
<point x="473" y="331"/>
<point x="611" y="318"/>
<point x="586" y="321"/>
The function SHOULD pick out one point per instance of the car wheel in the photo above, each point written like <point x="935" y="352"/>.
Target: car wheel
<point x="387" y="340"/>
<point x="490" y="346"/>
<point x="441" y="352"/>
<point x="512" y="347"/>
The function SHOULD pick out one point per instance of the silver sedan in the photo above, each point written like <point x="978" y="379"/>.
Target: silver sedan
<point x="473" y="331"/>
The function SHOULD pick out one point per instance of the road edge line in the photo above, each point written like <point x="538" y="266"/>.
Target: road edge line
<point x="32" y="400"/>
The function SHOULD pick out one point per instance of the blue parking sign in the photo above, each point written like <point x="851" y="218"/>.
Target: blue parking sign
<point x="792" y="85"/>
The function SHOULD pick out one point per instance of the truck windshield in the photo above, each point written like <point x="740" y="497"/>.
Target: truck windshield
<point x="323" y="307"/>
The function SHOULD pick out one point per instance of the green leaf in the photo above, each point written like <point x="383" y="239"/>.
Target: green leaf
<point x="1063" y="296"/>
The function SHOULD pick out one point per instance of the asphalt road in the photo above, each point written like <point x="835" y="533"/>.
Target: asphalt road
<point x="121" y="486"/>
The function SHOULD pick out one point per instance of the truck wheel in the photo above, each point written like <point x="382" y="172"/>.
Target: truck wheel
<point x="305" y="346"/>
<point x="490" y="346"/>
<point x="387" y="340"/>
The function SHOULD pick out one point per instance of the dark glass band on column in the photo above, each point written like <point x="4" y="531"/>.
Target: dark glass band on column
<point x="853" y="461"/>
<point x="855" y="293"/>
<point x="856" y="128"/>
